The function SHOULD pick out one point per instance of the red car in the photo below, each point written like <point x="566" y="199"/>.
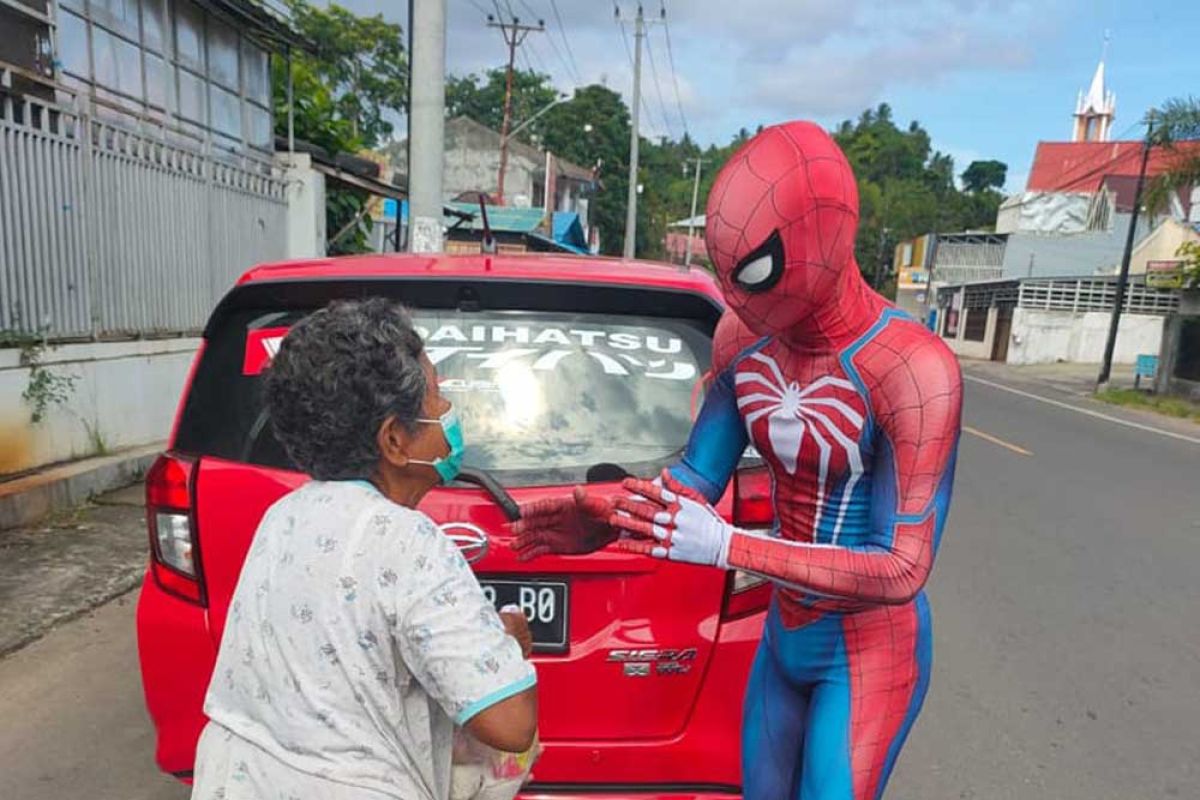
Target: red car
<point x="565" y="371"/>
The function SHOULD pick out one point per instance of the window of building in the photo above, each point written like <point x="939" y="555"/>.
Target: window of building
<point x="975" y="327"/>
<point x="171" y="61"/>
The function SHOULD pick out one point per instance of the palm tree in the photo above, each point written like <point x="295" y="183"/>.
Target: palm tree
<point x="1175" y="128"/>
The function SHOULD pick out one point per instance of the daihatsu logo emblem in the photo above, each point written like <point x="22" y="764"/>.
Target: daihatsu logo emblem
<point x="471" y="540"/>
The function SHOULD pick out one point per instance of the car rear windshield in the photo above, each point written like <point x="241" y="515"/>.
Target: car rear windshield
<point x="544" y="397"/>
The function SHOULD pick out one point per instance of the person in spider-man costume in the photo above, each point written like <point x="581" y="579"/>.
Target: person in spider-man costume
<point x="855" y="408"/>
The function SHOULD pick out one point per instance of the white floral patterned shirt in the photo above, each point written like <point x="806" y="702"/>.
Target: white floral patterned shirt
<point x="355" y="641"/>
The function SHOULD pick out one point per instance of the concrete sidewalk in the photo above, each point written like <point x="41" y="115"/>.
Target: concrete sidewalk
<point x="69" y="563"/>
<point x="28" y="498"/>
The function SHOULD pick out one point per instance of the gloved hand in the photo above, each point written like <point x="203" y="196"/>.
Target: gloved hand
<point x="572" y="525"/>
<point x="666" y="519"/>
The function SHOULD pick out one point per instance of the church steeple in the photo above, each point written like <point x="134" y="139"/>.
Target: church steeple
<point x="1094" y="111"/>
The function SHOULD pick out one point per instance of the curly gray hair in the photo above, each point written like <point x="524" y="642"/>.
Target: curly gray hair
<point x="338" y="375"/>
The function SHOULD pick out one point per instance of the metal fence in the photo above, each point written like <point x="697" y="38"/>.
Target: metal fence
<point x="107" y="232"/>
<point x="1061" y="294"/>
<point x="1095" y="294"/>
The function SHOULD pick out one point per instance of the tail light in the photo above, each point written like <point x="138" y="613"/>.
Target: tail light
<point x="753" y="509"/>
<point x="170" y="517"/>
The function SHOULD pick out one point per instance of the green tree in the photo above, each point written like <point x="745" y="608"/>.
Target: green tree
<point x="592" y="130"/>
<point x="906" y="188"/>
<point x="1175" y="128"/>
<point x="482" y="99"/>
<point x="982" y="175"/>
<point x="361" y="60"/>
<point x="342" y="95"/>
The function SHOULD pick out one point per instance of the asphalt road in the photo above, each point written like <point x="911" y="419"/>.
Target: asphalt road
<point x="1066" y="606"/>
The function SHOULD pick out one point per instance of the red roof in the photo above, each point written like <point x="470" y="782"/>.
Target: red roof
<point x="1083" y="166"/>
<point x="525" y="266"/>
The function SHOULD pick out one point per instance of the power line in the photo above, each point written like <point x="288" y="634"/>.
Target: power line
<point x="553" y="44"/>
<point x="662" y="107"/>
<point x="629" y="54"/>
<point x="674" y="73"/>
<point x="1072" y="176"/>
<point x="562" y="30"/>
<point x="480" y="8"/>
<point x="572" y="76"/>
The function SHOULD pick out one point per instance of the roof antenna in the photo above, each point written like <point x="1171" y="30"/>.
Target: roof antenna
<point x="487" y="245"/>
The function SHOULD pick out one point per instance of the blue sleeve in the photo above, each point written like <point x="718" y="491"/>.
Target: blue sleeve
<point x="717" y="441"/>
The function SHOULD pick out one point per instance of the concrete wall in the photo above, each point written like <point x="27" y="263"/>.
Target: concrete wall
<point x="125" y="395"/>
<point x="966" y="348"/>
<point x="306" y="233"/>
<point x="1045" y="337"/>
<point x="1161" y="245"/>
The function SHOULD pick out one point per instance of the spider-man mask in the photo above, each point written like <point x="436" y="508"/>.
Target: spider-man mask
<point x="782" y="216"/>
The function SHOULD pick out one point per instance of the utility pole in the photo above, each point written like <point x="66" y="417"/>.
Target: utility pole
<point x="639" y="33"/>
<point x="1110" y="345"/>
<point x="426" y="123"/>
<point x="687" y="259"/>
<point x="514" y="35"/>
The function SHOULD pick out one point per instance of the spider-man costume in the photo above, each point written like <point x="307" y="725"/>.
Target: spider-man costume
<point x="855" y="409"/>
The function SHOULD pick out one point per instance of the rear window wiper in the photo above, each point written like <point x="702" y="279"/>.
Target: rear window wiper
<point x="489" y="484"/>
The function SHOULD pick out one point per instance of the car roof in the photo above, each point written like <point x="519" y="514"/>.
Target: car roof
<point x="509" y="267"/>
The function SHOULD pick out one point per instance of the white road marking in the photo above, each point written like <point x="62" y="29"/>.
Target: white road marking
<point x="1085" y="411"/>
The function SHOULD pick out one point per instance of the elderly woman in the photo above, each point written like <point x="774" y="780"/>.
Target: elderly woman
<point x="358" y="637"/>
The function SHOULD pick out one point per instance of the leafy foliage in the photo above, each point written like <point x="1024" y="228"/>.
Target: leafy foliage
<point x="905" y="187"/>
<point x="482" y="99"/>
<point x="1176" y="128"/>
<point x="1190" y="253"/>
<point x="45" y="388"/>
<point x="343" y="95"/>
<point x="362" y="63"/>
<point x="982" y="175"/>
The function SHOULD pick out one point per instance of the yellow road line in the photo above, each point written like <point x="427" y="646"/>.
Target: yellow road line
<point x="987" y="437"/>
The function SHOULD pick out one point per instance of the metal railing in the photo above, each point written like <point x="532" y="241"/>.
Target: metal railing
<point x="1098" y="294"/>
<point x="110" y="232"/>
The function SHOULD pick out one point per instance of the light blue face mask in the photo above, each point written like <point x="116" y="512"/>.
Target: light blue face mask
<point x="447" y="466"/>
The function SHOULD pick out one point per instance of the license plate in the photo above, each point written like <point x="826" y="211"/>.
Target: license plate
<point x="544" y="604"/>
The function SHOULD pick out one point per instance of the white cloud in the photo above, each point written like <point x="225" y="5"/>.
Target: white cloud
<point x="836" y="80"/>
<point x="754" y="60"/>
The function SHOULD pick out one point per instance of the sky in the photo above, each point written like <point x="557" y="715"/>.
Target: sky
<point x="985" y="78"/>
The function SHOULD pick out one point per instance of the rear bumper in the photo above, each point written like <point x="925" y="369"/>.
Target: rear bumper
<point x="703" y="760"/>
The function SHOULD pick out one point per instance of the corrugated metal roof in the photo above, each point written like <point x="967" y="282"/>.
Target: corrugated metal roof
<point x="504" y="218"/>
<point x="1082" y="166"/>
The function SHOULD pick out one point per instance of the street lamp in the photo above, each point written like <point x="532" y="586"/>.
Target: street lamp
<point x="562" y="98"/>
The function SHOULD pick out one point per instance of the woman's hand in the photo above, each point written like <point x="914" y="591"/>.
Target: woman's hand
<point x="573" y="525"/>
<point x="517" y="627"/>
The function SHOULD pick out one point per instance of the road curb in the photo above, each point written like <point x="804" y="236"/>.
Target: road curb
<point x="30" y="498"/>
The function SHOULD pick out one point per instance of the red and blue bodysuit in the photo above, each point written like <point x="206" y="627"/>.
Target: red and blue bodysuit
<point x="855" y="409"/>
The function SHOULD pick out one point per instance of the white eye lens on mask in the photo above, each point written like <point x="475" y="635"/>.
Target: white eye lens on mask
<point x="756" y="271"/>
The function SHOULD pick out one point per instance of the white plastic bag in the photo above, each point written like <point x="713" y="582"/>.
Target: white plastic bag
<point x="479" y="772"/>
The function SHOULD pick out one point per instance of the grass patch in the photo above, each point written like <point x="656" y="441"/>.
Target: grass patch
<point x="1169" y="406"/>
